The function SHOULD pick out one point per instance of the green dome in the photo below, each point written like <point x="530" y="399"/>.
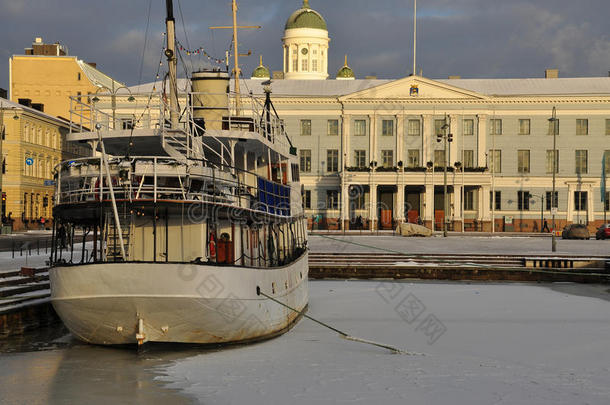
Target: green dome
<point x="346" y="72"/>
<point x="305" y="17"/>
<point x="261" y="72"/>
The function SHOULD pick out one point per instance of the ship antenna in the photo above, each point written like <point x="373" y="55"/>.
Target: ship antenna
<point x="172" y="61"/>
<point x="236" y="54"/>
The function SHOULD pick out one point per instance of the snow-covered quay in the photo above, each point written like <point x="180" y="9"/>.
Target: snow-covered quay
<point x="481" y="344"/>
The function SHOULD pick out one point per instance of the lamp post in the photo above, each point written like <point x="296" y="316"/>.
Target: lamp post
<point x="447" y="138"/>
<point x="553" y="121"/>
<point x="113" y="93"/>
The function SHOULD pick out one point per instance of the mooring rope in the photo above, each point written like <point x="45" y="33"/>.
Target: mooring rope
<point x="341" y="333"/>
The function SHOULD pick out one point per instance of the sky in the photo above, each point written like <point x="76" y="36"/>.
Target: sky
<point x="470" y="38"/>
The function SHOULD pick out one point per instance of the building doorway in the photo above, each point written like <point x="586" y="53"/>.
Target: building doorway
<point x="413" y="203"/>
<point x="385" y="210"/>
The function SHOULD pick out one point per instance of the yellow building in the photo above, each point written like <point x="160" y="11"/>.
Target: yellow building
<point x="47" y="76"/>
<point x="33" y="143"/>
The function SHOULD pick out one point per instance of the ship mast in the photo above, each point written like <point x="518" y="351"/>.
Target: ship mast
<point x="236" y="54"/>
<point x="172" y="62"/>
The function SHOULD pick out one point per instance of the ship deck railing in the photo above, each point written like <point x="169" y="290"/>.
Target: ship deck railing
<point x="124" y="110"/>
<point x="156" y="179"/>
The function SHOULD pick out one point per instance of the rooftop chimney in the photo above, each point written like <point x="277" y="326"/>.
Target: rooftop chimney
<point x="454" y="77"/>
<point x="38" y="107"/>
<point x="370" y="77"/>
<point x="551" y="74"/>
<point x="25" y="101"/>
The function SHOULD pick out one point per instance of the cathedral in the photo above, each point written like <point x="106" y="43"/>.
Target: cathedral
<point x="466" y="154"/>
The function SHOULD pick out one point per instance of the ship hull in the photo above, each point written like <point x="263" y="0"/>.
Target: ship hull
<point x="126" y="303"/>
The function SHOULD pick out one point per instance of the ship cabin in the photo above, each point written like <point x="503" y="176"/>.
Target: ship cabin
<point x="211" y="179"/>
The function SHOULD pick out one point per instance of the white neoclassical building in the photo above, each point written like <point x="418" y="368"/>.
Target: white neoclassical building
<point x="370" y="156"/>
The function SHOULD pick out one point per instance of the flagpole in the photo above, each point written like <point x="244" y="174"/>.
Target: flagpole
<point x="415" y="38"/>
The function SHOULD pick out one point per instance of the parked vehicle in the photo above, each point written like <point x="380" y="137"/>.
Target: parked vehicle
<point x="603" y="232"/>
<point x="575" y="231"/>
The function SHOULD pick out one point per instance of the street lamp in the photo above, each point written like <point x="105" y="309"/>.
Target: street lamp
<point x="447" y="138"/>
<point x="553" y="121"/>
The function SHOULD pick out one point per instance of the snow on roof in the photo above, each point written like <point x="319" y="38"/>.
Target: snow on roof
<point x="4" y="103"/>
<point x="490" y="87"/>
<point x="98" y="78"/>
<point x="531" y="87"/>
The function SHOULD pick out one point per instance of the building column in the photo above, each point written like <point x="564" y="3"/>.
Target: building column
<point x="344" y="203"/>
<point x="399" y="205"/>
<point x="453" y="146"/>
<point x="590" y="204"/>
<point x="400" y="137"/>
<point x="373" y="205"/>
<point x="429" y="206"/>
<point x="570" y="212"/>
<point x="457" y="203"/>
<point x="484" y="213"/>
<point x="345" y="139"/>
<point x="284" y="61"/>
<point x="373" y="138"/>
<point x="482" y="140"/>
<point x="427" y="139"/>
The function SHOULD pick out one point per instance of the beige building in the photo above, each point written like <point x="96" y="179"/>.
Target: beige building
<point x="47" y="75"/>
<point x="33" y="143"/>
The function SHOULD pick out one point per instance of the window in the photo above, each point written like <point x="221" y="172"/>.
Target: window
<point x="582" y="127"/>
<point x="387" y="158"/>
<point x="524" y="126"/>
<point x="607" y="126"/>
<point x="332" y="160"/>
<point x="581" y="161"/>
<point x="413" y="158"/>
<point x="523" y="161"/>
<point x="554" y="129"/>
<point x="468" y="127"/>
<point x="387" y="128"/>
<point x="549" y="162"/>
<point x="439" y="158"/>
<point x="607" y="206"/>
<point x="580" y="200"/>
<point x="127" y="123"/>
<point x="549" y="195"/>
<point x="607" y="160"/>
<point x="495" y="160"/>
<point x="295" y="62"/>
<point x="3" y="165"/>
<point x="469" y="200"/>
<point x="438" y="127"/>
<point x="78" y="95"/>
<point x="307" y="199"/>
<point x="333" y="128"/>
<point x="498" y="200"/>
<point x="314" y="65"/>
<point x="414" y="128"/>
<point x="305" y="155"/>
<point x="332" y="199"/>
<point x="523" y="200"/>
<point x="360" y="158"/>
<point x="305" y="127"/>
<point x="78" y="76"/>
<point x="304" y="65"/>
<point x="495" y="127"/>
<point x="360" y="128"/>
<point x="468" y="162"/>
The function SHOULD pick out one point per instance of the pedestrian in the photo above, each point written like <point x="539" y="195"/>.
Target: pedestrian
<point x="4" y="220"/>
<point x="61" y="235"/>
<point x="546" y="226"/>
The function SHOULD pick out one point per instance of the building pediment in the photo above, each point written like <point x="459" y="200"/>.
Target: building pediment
<point x="413" y="87"/>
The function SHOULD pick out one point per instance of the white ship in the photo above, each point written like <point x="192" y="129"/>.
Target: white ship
<point x="193" y="210"/>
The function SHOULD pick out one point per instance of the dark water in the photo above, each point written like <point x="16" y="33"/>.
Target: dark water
<point x="51" y="367"/>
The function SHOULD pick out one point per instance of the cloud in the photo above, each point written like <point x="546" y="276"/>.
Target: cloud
<point x="474" y="38"/>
